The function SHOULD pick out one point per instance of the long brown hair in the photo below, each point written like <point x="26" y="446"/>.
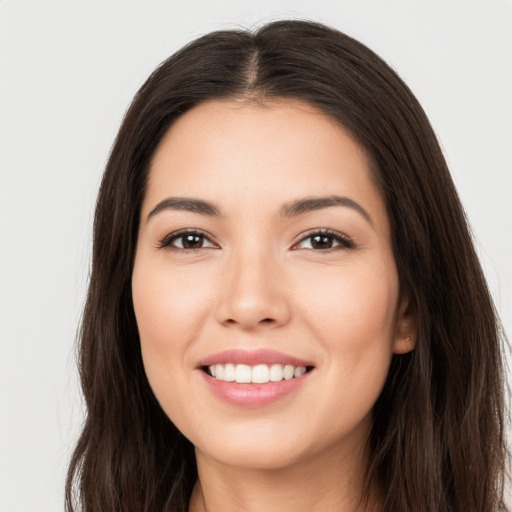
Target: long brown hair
<point x="437" y="441"/>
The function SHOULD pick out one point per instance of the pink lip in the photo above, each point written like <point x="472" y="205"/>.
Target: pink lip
<point x="252" y="358"/>
<point x="252" y="395"/>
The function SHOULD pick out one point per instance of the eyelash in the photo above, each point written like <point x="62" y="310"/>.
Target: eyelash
<point x="343" y="240"/>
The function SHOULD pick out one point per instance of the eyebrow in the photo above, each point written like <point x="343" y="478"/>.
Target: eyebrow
<point x="309" y="204"/>
<point x="187" y="204"/>
<point x="288" y="210"/>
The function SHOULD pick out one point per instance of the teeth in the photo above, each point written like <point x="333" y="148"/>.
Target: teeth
<point x="219" y="371"/>
<point x="300" y="370"/>
<point x="259" y="374"/>
<point x="276" y="373"/>
<point x="288" y="372"/>
<point x="229" y="373"/>
<point x="242" y="373"/>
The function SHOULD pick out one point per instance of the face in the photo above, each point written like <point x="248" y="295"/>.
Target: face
<point x="264" y="286"/>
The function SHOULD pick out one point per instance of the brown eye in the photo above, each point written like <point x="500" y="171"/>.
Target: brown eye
<point x="188" y="240"/>
<point x="322" y="242"/>
<point x="325" y="240"/>
<point x="191" y="241"/>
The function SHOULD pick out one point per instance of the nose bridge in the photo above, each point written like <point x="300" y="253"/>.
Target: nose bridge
<point x="253" y="289"/>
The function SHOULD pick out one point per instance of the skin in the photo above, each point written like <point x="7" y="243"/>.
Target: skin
<point x="258" y="282"/>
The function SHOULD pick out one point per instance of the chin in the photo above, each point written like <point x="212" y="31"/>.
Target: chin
<point x="260" y="456"/>
<point x="275" y="446"/>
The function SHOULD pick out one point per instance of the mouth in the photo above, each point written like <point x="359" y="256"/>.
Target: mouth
<point x="255" y="374"/>
<point x="255" y="378"/>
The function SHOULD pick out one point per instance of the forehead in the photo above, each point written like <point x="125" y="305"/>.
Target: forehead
<point x="260" y="155"/>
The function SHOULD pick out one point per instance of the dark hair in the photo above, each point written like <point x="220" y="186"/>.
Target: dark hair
<point x="437" y="440"/>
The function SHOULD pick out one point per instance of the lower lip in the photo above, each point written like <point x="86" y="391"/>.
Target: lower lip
<point x="253" y="395"/>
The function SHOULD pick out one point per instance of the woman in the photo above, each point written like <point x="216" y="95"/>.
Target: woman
<point x="285" y="306"/>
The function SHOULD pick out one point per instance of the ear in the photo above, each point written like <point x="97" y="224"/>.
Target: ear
<point x="406" y="332"/>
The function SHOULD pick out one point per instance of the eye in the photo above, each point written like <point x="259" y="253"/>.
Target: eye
<point x="186" y="240"/>
<point x="325" y="240"/>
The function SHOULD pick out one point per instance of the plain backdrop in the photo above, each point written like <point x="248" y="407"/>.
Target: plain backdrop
<point x="68" y="70"/>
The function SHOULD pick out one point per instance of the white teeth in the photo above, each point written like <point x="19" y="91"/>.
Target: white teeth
<point x="276" y="373"/>
<point x="259" y="374"/>
<point x="288" y="372"/>
<point x="300" y="370"/>
<point x="229" y="373"/>
<point x="219" y="371"/>
<point x="242" y="373"/>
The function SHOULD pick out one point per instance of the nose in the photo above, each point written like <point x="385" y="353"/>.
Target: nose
<point x="253" y="293"/>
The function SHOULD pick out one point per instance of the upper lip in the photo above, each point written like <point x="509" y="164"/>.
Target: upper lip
<point x="252" y="358"/>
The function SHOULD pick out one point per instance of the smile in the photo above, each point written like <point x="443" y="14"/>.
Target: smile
<point x="259" y="374"/>
<point x="253" y="378"/>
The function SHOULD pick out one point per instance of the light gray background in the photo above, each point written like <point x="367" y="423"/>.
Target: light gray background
<point x="68" y="70"/>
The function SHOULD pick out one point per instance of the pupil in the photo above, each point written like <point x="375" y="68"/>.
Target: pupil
<point x="192" y="241"/>
<point x="322" y="242"/>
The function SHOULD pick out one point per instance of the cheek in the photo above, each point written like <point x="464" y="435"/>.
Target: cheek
<point x="352" y="314"/>
<point x="357" y="305"/>
<point x="168" y="305"/>
<point x="167" y="311"/>
<point x="168" y="314"/>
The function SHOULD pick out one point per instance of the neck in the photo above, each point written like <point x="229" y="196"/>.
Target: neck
<point x="331" y="481"/>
